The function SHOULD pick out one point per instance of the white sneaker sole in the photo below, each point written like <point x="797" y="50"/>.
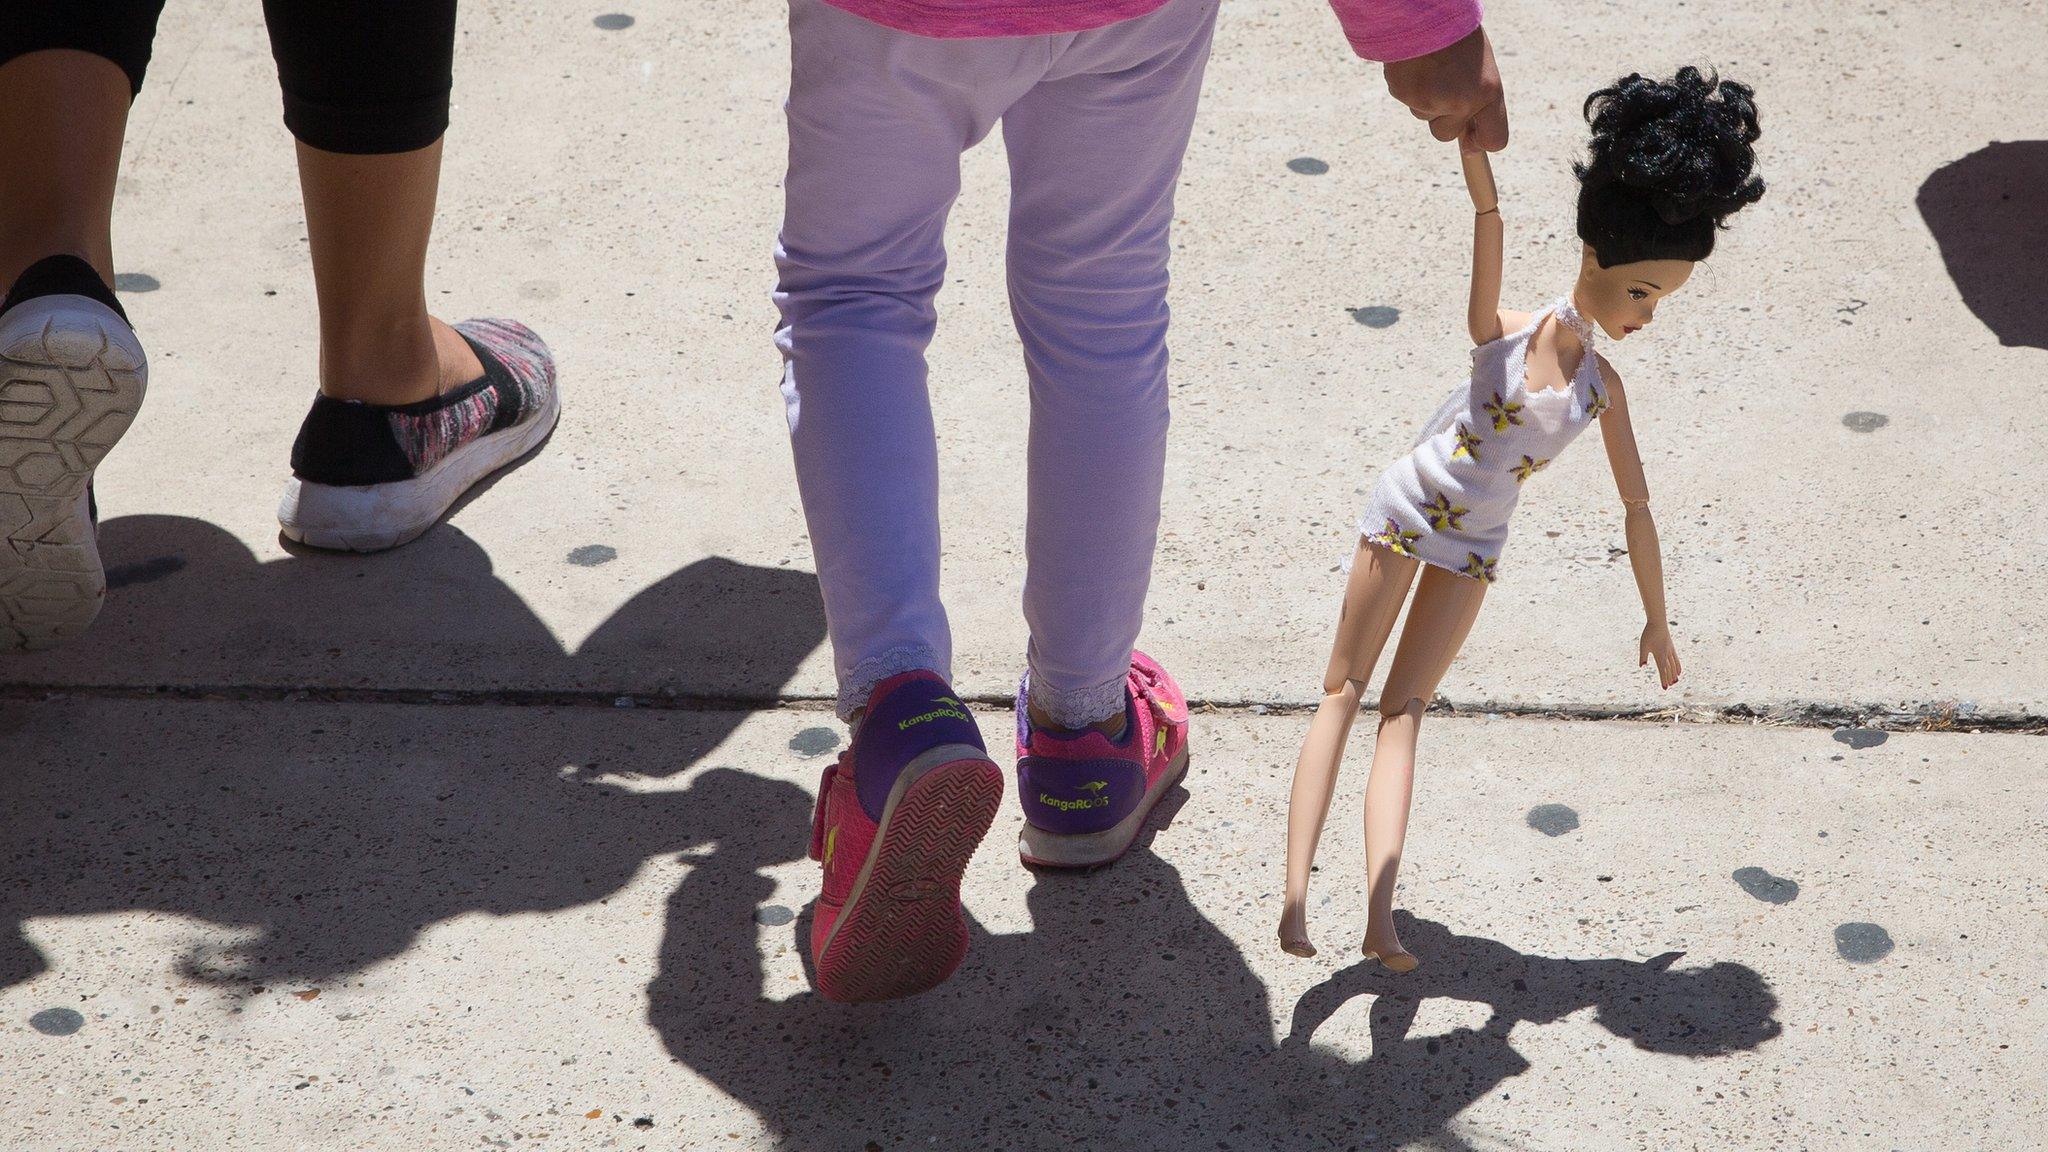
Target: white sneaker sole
<point x="374" y="517"/>
<point x="72" y="376"/>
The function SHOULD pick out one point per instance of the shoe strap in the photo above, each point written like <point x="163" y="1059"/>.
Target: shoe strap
<point x="1147" y="687"/>
<point x="818" y="814"/>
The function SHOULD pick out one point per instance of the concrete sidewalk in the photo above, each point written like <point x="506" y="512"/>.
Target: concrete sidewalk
<point x="321" y="926"/>
<point x="325" y="852"/>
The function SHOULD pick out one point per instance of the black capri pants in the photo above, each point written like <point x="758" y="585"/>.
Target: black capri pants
<point x="359" y="76"/>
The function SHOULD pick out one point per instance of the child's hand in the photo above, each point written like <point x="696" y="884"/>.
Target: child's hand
<point x="1657" y="642"/>
<point x="1457" y="89"/>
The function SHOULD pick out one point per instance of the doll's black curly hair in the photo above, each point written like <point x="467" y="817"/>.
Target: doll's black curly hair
<point x="1670" y="161"/>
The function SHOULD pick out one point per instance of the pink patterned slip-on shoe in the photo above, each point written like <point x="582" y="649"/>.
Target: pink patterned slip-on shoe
<point x="898" y="817"/>
<point x="1085" y="796"/>
<point x="366" y="477"/>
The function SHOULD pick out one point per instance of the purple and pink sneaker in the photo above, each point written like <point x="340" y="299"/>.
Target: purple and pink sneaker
<point x="1086" y="796"/>
<point x="898" y="817"/>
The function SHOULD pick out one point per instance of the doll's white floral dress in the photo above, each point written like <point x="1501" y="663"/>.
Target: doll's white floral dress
<point x="1448" y="501"/>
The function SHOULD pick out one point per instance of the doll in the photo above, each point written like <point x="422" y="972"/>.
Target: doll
<point x="1670" y="160"/>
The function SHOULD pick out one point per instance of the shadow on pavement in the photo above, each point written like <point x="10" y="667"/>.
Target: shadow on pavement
<point x="1124" y="1019"/>
<point x="1986" y="212"/>
<point x="184" y="594"/>
<point x="335" y="834"/>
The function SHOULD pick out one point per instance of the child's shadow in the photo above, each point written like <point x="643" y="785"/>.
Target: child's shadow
<point x="1123" y="1019"/>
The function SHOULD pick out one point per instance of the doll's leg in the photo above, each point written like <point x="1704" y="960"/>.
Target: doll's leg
<point x="1372" y="599"/>
<point x="1445" y="606"/>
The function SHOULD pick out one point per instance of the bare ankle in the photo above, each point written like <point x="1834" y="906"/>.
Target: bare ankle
<point x="392" y="362"/>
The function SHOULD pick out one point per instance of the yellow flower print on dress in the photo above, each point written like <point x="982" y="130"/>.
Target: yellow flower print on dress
<point x="1478" y="567"/>
<point x="1444" y="514"/>
<point x="1503" y="413"/>
<point x="1529" y="467"/>
<point x="1598" y="404"/>
<point x="1394" y="540"/>
<point x="1468" y="445"/>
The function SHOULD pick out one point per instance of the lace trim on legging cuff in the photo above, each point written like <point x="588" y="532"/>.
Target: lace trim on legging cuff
<point x="859" y="684"/>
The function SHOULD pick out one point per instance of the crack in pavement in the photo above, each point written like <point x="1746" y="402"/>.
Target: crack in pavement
<point x="1941" y="717"/>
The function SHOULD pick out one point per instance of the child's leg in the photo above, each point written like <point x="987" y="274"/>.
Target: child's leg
<point x="1445" y="606"/>
<point x="877" y="122"/>
<point x="1095" y="151"/>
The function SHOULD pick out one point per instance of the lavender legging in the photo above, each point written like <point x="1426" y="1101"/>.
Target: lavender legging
<point x="1095" y="124"/>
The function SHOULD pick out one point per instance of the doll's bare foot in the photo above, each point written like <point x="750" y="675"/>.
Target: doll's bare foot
<point x="1294" y="931"/>
<point x="1388" y="951"/>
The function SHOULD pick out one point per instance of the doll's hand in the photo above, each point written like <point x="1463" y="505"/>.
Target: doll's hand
<point x="1657" y="642"/>
<point x="1457" y="89"/>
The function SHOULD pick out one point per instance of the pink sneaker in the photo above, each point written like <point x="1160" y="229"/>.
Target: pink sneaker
<point x="898" y="817"/>
<point x="1085" y="796"/>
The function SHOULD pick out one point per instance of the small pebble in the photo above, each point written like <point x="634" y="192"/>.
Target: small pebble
<point x="613" y="22"/>
<point x="1307" y="166"/>
<point x="1865" y="421"/>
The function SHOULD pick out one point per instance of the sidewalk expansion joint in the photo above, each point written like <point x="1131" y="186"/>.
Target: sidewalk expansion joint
<point x="1930" y="717"/>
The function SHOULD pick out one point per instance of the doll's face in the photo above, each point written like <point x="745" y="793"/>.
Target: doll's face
<point x="1624" y="298"/>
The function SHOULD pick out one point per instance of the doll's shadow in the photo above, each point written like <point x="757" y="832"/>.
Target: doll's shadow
<point x="1121" y="1018"/>
<point x="1413" y="1086"/>
<point x="1985" y="213"/>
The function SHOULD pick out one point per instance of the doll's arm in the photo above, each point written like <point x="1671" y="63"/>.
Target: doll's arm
<point x="1482" y="313"/>
<point x="1644" y="555"/>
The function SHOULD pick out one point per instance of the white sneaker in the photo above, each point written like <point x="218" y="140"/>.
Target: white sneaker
<point x="72" y="375"/>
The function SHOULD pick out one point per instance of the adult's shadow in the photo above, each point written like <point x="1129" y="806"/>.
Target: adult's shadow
<point x="187" y="601"/>
<point x="1985" y="211"/>
<point x="1122" y="1019"/>
<point x="329" y="835"/>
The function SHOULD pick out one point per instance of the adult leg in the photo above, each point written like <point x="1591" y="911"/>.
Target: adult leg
<point x="1095" y="152"/>
<point x="72" y="374"/>
<point x="366" y="90"/>
<point x="877" y="122"/>
<point x="62" y="115"/>
<point x="68" y="72"/>
<point x="1445" y="606"/>
<point x="1379" y="583"/>
<point x="412" y="411"/>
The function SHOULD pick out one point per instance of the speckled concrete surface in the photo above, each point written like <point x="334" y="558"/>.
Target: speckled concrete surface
<point x="1833" y="415"/>
<point x="266" y="922"/>
<point x="280" y="925"/>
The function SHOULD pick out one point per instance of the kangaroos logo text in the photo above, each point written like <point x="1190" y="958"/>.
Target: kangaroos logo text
<point x="949" y="709"/>
<point x="1095" y="800"/>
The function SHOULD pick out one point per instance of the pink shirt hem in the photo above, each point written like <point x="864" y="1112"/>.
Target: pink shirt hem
<point x="1381" y="30"/>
